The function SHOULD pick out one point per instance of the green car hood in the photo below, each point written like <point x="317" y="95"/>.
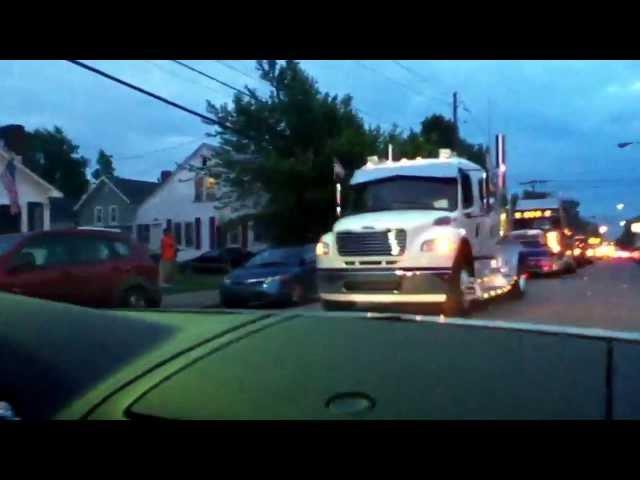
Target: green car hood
<point x="347" y="367"/>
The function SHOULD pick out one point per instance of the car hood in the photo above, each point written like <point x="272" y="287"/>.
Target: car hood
<point x="347" y="366"/>
<point x="399" y="219"/>
<point x="252" y="273"/>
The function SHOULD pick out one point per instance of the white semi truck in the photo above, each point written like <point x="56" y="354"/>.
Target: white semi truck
<point x="422" y="231"/>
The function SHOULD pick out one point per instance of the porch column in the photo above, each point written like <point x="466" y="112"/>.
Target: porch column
<point x="24" y="218"/>
<point x="46" y="222"/>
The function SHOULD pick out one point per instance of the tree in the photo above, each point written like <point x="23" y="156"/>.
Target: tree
<point x="296" y="132"/>
<point x="105" y="165"/>
<point x="54" y="157"/>
<point x="439" y="132"/>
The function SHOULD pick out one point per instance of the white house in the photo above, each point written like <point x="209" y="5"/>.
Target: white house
<point x="34" y="196"/>
<point x="185" y="202"/>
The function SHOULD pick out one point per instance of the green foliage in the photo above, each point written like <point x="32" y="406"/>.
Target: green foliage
<point x="54" y="157"/>
<point x="105" y="165"/>
<point x="296" y="132"/>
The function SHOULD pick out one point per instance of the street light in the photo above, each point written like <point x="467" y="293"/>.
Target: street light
<point x="620" y="206"/>
<point x="603" y="229"/>
<point x="626" y="144"/>
<point x="622" y="223"/>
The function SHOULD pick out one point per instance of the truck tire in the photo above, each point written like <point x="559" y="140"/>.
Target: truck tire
<point x="456" y="305"/>
<point x="519" y="287"/>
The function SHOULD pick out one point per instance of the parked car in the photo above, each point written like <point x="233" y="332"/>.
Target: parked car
<point x="285" y="275"/>
<point x="96" y="268"/>
<point x="224" y="259"/>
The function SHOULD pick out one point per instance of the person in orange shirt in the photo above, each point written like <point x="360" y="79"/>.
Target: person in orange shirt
<point x="168" y="254"/>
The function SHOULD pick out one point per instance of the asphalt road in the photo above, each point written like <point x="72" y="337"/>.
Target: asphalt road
<point x="604" y="295"/>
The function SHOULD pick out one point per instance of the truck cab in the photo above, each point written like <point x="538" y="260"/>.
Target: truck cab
<point x="416" y="231"/>
<point x="543" y="220"/>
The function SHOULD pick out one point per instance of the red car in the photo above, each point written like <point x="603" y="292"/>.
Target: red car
<point x="84" y="267"/>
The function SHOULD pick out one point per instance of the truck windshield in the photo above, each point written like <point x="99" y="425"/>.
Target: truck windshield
<point x="543" y="224"/>
<point x="404" y="193"/>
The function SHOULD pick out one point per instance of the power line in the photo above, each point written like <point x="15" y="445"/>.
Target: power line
<point x="419" y="76"/>
<point x="231" y="67"/>
<point x="143" y="154"/>
<point x="367" y="67"/>
<point x="160" y="98"/>
<point x="173" y="74"/>
<point x="199" y="72"/>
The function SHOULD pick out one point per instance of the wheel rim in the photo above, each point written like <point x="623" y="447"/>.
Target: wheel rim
<point x="136" y="300"/>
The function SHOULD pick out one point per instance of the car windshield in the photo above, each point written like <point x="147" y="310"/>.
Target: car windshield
<point x="7" y="242"/>
<point x="277" y="257"/>
<point x="404" y="194"/>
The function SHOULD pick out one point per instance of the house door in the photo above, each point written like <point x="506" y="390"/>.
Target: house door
<point x="212" y="233"/>
<point x="35" y="216"/>
<point x="8" y="223"/>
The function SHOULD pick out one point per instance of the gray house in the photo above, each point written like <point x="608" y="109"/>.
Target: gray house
<point x="112" y="202"/>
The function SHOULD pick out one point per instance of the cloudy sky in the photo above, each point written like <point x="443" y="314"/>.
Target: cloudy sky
<point x="562" y="119"/>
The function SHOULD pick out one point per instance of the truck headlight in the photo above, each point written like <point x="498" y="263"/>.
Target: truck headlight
<point x="440" y="245"/>
<point x="322" y="249"/>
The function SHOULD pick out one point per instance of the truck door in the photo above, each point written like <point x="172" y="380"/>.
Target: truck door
<point x="472" y="216"/>
<point x="489" y="220"/>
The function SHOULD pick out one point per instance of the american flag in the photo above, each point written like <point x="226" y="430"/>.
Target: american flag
<point x="8" y="177"/>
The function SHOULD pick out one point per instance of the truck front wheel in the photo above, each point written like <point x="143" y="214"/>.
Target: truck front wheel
<point x="457" y="303"/>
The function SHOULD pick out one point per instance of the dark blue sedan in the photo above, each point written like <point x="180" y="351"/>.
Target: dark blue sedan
<point x="276" y="276"/>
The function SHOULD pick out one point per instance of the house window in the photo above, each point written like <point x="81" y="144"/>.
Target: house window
<point x="188" y="234"/>
<point x="210" y="189"/>
<point x="258" y="231"/>
<point x="113" y="215"/>
<point x="205" y="188"/>
<point x="234" y="237"/>
<point x="177" y="232"/>
<point x="97" y="216"/>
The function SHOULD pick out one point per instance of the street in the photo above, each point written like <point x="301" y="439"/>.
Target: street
<point x="603" y="295"/>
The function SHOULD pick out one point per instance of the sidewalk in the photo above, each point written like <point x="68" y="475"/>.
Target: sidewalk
<point x="199" y="299"/>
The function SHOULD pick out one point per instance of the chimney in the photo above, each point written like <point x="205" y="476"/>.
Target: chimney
<point x="14" y="137"/>
<point x="164" y="175"/>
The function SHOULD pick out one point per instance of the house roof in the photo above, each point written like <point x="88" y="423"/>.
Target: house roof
<point x="133" y="191"/>
<point x="53" y="192"/>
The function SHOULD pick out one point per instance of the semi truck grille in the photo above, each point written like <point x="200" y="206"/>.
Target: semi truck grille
<point x="371" y="244"/>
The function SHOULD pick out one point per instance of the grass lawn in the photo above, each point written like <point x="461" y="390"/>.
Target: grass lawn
<point x="193" y="282"/>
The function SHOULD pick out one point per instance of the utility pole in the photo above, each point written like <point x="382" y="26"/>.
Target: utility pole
<point x="455" y="109"/>
<point x="455" y="118"/>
